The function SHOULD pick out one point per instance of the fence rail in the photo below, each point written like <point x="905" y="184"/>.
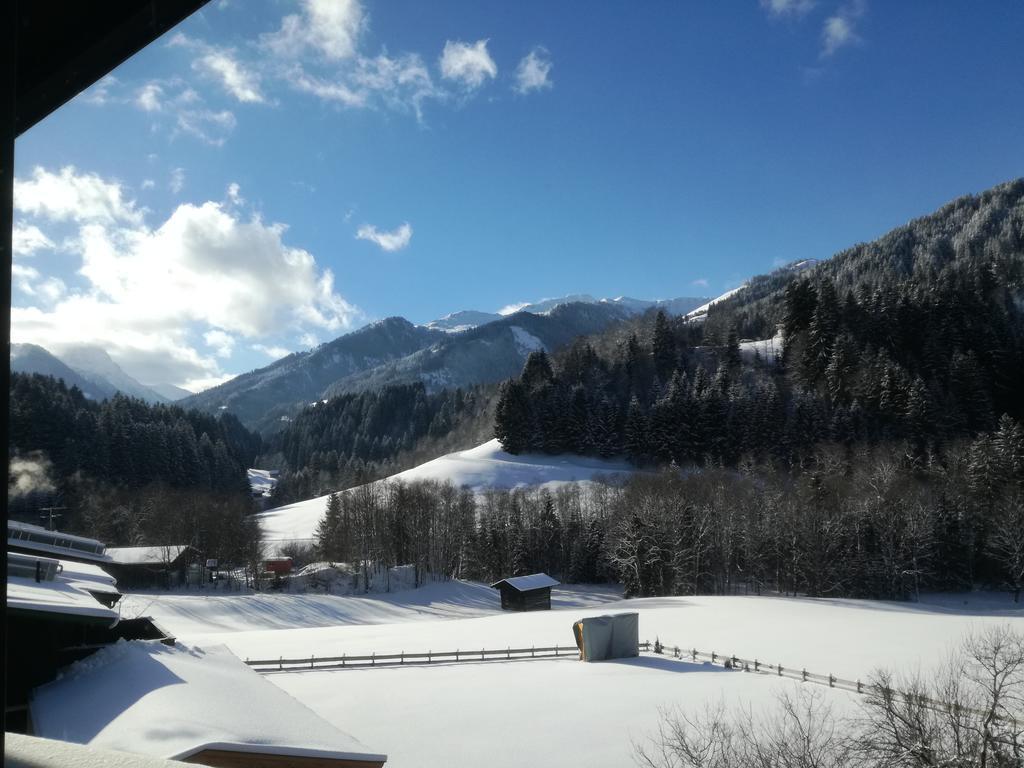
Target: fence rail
<point x="795" y="673"/>
<point x="281" y="664"/>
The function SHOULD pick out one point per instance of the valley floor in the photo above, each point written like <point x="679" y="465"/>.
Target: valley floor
<point x="557" y="711"/>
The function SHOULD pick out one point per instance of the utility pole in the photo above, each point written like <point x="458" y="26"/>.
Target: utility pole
<point x="48" y="515"/>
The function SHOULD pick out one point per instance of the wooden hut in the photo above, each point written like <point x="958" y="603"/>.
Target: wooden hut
<point x="526" y="593"/>
<point x="151" y="567"/>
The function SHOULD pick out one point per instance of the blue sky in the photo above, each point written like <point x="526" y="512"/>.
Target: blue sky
<point x="270" y="174"/>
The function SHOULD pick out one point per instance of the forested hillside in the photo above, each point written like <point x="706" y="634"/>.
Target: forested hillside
<point x="357" y="437"/>
<point x="916" y="337"/>
<point x="124" y="470"/>
<point x="879" y="452"/>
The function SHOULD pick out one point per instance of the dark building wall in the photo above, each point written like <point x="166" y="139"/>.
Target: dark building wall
<point x="531" y="600"/>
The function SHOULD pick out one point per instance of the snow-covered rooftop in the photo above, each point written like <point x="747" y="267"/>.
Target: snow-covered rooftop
<point x="146" y="555"/>
<point x="173" y="702"/>
<point x="526" y="583"/>
<point x="56" y="596"/>
<point x="39" y="539"/>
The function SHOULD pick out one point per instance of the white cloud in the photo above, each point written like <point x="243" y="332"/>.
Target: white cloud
<point x="149" y="97"/>
<point x="207" y="125"/>
<point x="840" y="30"/>
<point x="235" y="194"/>
<point x="392" y="241"/>
<point x="701" y="282"/>
<point x="787" y="7"/>
<point x="533" y="72"/>
<point x="469" y="64"/>
<point x="203" y="273"/>
<point x="30" y="282"/>
<point x="222" y="344"/>
<point x="99" y="95"/>
<point x="71" y="196"/>
<point x="239" y="81"/>
<point x="148" y="184"/>
<point x="26" y="239"/>
<point x="328" y="28"/>
<point x="273" y="352"/>
<point x="309" y="340"/>
<point x="335" y="91"/>
<point x="177" y="182"/>
<point x="23" y="277"/>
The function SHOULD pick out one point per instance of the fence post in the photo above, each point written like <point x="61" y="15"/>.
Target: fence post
<point x="831" y="681"/>
<point x="280" y="662"/>
<point x="343" y="659"/>
<point x="858" y="685"/>
<point x="481" y="654"/>
<point x="311" y="657"/>
<point x="456" y="654"/>
<point x="712" y="657"/>
<point x="780" y="670"/>
<point x="533" y="651"/>
<point x="757" y="665"/>
<point x="804" y="678"/>
<point x="508" y="652"/>
<point x="373" y="659"/>
<point x="402" y="659"/>
<point x="428" y="656"/>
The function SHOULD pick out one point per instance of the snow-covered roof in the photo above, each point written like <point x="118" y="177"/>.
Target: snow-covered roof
<point x="526" y="583"/>
<point x="173" y="702"/>
<point x="89" y="577"/>
<point x="39" y="539"/>
<point x="56" y="596"/>
<point x="146" y="555"/>
<point x="21" y="751"/>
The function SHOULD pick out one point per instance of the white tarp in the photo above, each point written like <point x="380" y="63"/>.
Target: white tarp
<point x="616" y="636"/>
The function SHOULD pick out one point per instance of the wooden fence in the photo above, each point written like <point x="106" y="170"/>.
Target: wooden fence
<point x="460" y="656"/>
<point x="281" y="664"/>
<point x="794" y="673"/>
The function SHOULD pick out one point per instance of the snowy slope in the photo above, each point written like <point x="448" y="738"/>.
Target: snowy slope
<point x="203" y="614"/>
<point x="703" y="308"/>
<point x="486" y="466"/>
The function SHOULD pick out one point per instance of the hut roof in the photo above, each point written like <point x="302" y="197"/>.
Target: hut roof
<point x="527" y="583"/>
<point x="147" y="555"/>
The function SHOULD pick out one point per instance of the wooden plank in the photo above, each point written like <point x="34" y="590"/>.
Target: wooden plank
<point x="223" y="758"/>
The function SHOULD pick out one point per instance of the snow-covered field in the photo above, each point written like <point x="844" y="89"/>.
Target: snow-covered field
<point x="192" y="614"/>
<point x="480" y="468"/>
<point x="570" y="712"/>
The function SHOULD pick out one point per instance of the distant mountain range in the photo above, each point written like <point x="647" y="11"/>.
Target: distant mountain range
<point x="394" y="351"/>
<point x="90" y="369"/>
<point x="468" y="319"/>
<point x="460" y="350"/>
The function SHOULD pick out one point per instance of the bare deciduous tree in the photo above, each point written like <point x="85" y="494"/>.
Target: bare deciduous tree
<point x="971" y="715"/>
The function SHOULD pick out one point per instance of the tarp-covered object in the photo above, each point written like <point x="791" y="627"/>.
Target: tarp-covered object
<point x="616" y="636"/>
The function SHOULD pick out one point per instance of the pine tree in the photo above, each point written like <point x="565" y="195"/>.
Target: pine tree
<point x="512" y="418"/>
<point x="328" y="530"/>
<point x="663" y="344"/>
<point x="636" y="431"/>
